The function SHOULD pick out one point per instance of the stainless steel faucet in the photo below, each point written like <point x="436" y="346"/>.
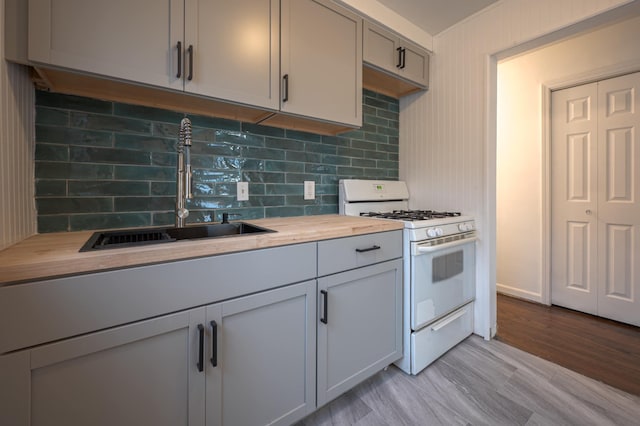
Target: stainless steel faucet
<point x="183" y="191"/>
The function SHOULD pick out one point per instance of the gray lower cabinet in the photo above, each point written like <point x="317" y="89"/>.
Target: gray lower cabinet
<point x="265" y="351"/>
<point x="278" y="344"/>
<point x="142" y="373"/>
<point x="359" y="326"/>
<point x="161" y="371"/>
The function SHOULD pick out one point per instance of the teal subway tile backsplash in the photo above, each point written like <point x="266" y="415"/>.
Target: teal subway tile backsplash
<point x="106" y="188"/>
<point x="109" y="123"/>
<point x="49" y="152"/>
<point x="69" y="136"/>
<point x="102" y="165"/>
<point x="142" y="204"/>
<point x="73" y="103"/>
<point x="108" y="220"/>
<point x="53" y="223"/>
<point x="64" y="170"/>
<point x="51" y="188"/>
<point x="70" y="205"/>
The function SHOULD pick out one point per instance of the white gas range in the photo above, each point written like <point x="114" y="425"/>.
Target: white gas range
<point x="439" y="268"/>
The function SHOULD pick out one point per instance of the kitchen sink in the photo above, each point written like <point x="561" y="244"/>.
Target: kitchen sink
<point x="138" y="237"/>
<point x="215" y="230"/>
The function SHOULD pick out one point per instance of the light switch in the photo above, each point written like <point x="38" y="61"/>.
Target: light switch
<point x="309" y="190"/>
<point x="243" y="191"/>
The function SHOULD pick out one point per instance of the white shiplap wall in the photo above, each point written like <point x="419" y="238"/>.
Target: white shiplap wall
<point x="447" y="141"/>
<point x="17" y="206"/>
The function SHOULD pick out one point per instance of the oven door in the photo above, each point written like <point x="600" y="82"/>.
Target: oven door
<point x="442" y="278"/>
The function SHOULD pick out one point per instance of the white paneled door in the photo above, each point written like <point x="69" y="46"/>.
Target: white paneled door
<point x="595" y="213"/>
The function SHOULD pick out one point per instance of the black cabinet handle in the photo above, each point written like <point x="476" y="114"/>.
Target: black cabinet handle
<point x="190" y="51"/>
<point x="179" y="47"/>
<point x="214" y="343"/>
<point x="201" y="348"/>
<point x="285" y="88"/>
<point x="399" y="64"/>
<point x="325" y="309"/>
<point x="404" y="57"/>
<point x="368" y="249"/>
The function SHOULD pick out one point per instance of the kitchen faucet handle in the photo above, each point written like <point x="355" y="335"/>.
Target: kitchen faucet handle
<point x="225" y="216"/>
<point x="183" y="213"/>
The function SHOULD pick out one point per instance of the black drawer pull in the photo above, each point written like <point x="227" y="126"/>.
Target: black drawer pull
<point x="368" y="249"/>
<point x="201" y="348"/>
<point x="325" y="308"/>
<point x="214" y="344"/>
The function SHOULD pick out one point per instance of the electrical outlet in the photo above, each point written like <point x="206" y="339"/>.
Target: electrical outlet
<point x="309" y="190"/>
<point x="243" y="191"/>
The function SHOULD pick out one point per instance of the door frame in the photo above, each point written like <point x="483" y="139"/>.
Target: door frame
<point x="546" y="88"/>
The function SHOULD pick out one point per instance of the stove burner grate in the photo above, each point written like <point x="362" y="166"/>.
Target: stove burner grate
<point x="411" y="215"/>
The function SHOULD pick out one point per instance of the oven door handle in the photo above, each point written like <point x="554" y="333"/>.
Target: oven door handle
<point x="448" y="320"/>
<point x="430" y="249"/>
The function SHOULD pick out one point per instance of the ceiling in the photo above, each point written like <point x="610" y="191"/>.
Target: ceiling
<point x="434" y="16"/>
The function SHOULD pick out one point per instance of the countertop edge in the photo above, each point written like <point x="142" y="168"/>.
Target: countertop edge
<point x="35" y="258"/>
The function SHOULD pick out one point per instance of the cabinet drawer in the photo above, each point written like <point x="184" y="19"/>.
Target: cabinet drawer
<point x="39" y="312"/>
<point x="342" y="254"/>
<point x="435" y="339"/>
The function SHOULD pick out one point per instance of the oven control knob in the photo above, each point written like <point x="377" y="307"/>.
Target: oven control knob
<point x="464" y="227"/>
<point x="432" y="232"/>
<point x="440" y="232"/>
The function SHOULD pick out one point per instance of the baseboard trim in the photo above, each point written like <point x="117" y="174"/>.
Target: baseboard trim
<point x="519" y="293"/>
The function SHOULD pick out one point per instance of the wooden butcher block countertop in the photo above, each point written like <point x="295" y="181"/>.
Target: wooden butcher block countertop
<point x="53" y="255"/>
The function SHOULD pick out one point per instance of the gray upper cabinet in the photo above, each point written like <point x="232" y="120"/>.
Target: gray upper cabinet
<point x="132" y="40"/>
<point x="395" y="56"/>
<point x="215" y="48"/>
<point x="321" y="61"/>
<point x="291" y="63"/>
<point x="235" y="50"/>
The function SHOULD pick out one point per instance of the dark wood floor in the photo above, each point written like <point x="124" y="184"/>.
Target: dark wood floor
<point x="604" y="350"/>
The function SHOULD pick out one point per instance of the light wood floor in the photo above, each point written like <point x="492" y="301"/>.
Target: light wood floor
<point x="482" y="383"/>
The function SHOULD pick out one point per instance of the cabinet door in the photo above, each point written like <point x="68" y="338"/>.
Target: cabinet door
<point x="235" y="50"/>
<point x="129" y="39"/>
<point x="321" y="63"/>
<point x="380" y="48"/>
<point x="394" y="54"/>
<point x="415" y="63"/>
<point x="359" y="326"/>
<point x="143" y="373"/>
<point x="265" y="353"/>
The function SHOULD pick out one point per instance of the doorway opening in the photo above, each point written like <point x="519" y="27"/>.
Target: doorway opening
<point x="524" y="84"/>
